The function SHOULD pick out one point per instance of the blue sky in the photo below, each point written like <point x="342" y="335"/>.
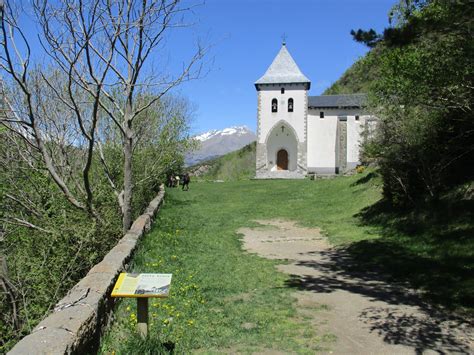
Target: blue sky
<point x="247" y="34"/>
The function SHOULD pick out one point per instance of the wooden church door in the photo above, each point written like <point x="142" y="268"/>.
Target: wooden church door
<point x="282" y="160"/>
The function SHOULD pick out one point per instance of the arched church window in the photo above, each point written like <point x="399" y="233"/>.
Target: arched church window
<point x="290" y="105"/>
<point x="274" y="105"/>
<point x="282" y="90"/>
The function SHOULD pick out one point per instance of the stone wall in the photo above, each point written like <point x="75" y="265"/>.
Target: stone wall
<point x="78" y="320"/>
<point x="341" y="145"/>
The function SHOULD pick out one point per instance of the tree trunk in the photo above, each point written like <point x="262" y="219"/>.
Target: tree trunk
<point x="127" y="177"/>
<point x="8" y="289"/>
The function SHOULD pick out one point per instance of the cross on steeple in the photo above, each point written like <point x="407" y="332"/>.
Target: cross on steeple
<point x="283" y="39"/>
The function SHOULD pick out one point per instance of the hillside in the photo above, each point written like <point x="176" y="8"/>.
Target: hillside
<point x="237" y="165"/>
<point x="357" y="78"/>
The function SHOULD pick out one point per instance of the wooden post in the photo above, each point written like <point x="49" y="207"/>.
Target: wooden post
<point x="142" y="316"/>
<point x="142" y="287"/>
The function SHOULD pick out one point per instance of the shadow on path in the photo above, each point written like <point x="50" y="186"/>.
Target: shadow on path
<point x="398" y="314"/>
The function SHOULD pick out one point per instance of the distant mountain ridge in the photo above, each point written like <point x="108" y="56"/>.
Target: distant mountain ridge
<point x="215" y="143"/>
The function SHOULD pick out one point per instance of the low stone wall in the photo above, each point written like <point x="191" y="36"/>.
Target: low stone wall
<point x="78" y="319"/>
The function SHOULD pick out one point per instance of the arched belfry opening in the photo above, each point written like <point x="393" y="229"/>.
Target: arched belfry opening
<point x="282" y="148"/>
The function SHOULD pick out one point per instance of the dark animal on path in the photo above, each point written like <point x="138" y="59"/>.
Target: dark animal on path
<point x="186" y="181"/>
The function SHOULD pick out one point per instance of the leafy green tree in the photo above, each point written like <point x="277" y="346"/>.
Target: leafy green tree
<point x="423" y="97"/>
<point x="370" y="38"/>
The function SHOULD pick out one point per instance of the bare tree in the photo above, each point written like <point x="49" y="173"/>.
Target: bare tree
<point x="102" y="47"/>
<point x="161" y="141"/>
<point x="116" y="39"/>
<point x="27" y="110"/>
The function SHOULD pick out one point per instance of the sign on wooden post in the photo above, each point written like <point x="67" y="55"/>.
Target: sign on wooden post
<point x="142" y="287"/>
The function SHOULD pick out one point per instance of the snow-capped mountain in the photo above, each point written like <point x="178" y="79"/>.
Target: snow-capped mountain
<point x="236" y="130"/>
<point x="219" y="142"/>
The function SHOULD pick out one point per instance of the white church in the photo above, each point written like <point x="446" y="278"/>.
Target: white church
<point x="298" y="134"/>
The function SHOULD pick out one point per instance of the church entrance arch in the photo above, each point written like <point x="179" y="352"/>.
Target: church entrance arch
<point x="282" y="147"/>
<point x="282" y="160"/>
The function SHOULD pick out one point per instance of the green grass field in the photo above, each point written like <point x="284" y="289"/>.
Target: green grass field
<point x="224" y="299"/>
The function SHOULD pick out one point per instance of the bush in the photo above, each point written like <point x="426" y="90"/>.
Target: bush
<point x="423" y="97"/>
<point x="46" y="242"/>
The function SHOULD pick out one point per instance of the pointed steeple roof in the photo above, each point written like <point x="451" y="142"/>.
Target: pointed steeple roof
<point x="283" y="70"/>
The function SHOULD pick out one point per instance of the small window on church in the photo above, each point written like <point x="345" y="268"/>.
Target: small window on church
<point x="357" y="117"/>
<point x="274" y="105"/>
<point x="321" y="114"/>
<point x="282" y="90"/>
<point x="290" y="105"/>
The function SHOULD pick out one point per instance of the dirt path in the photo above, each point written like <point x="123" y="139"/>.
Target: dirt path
<point x="367" y="314"/>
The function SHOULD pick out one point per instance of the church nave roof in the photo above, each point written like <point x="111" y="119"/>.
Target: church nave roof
<point x="337" y="101"/>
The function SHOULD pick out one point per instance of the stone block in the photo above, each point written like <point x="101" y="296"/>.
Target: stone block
<point x="141" y="224"/>
<point x="75" y="319"/>
<point x="104" y="268"/>
<point x="130" y="236"/>
<point x="117" y="259"/>
<point x="45" y="341"/>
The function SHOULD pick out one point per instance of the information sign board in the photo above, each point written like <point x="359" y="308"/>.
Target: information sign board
<point x="142" y="285"/>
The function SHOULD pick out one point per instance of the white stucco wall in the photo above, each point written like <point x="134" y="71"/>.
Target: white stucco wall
<point x="322" y="134"/>
<point x="321" y="142"/>
<point x="269" y="119"/>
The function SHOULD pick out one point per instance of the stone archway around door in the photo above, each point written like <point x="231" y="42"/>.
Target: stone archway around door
<point x="282" y="137"/>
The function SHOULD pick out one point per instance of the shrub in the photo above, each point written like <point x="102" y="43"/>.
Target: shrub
<point x="423" y="97"/>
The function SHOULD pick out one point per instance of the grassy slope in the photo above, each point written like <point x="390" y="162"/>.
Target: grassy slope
<point x="238" y="165"/>
<point x="216" y="286"/>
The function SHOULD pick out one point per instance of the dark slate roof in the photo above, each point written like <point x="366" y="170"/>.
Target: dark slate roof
<point x="337" y="101"/>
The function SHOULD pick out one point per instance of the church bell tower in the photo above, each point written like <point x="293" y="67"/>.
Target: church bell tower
<point x="282" y="119"/>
